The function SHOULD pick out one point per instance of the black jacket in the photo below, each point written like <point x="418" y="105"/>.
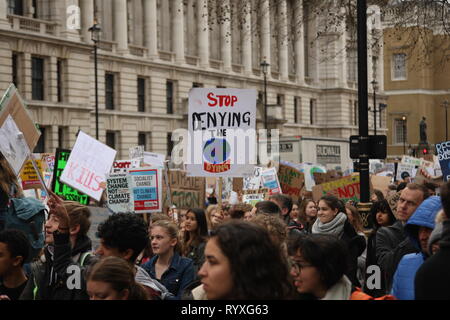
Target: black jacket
<point x="356" y="245"/>
<point x="392" y="243"/>
<point x="50" y="278"/>
<point x="432" y="280"/>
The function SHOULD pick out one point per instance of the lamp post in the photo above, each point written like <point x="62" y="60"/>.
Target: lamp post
<point x="264" y="66"/>
<point x="95" y="37"/>
<point x="375" y="88"/>
<point x="445" y="104"/>
<point x="404" y="134"/>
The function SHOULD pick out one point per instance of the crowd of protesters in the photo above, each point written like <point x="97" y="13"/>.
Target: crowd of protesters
<point x="278" y="249"/>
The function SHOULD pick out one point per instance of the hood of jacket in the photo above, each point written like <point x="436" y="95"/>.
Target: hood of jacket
<point x="424" y="216"/>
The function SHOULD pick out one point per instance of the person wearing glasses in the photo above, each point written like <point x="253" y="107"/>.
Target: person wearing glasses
<point x="392" y="243"/>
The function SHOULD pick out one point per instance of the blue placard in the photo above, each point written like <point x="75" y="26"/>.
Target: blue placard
<point x="443" y="152"/>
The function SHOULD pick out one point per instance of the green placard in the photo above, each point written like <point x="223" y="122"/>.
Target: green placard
<point x="62" y="189"/>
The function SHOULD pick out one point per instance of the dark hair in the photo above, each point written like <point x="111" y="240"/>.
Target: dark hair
<point x="381" y="206"/>
<point x="334" y="203"/>
<point x="302" y="216"/>
<point x="445" y="198"/>
<point x="268" y="207"/>
<point x="327" y="253"/>
<point x="78" y="215"/>
<point x="124" y="231"/>
<point x="430" y="185"/>
<point x="419" y="187"/>
<point x="257" y="265"/>
<point x="401" y="186"/>
<point x="201" y="234"/>
<point x="17" y="243"/>
<point x="284" y="200"/>
<point x="238" y="211"/>
<point x="119" y="274"/>
<point x="379" y="194"/>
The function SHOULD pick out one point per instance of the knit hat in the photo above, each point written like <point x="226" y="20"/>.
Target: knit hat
<point x="435" y="236"/>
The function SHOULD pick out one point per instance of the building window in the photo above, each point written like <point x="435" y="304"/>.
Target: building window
<point x="352" y="65"/>
<point x="37" y="78"/>
<point x="35" y="14"/>
<point x="15" y="69"/>
<point x="197" y="85"/>
<point x="400" y="131"/>
<point x="355" y="112"/>
<point x="312" y="111"/>
<point x="40" y="146"/>
<point x="297" y="109"/>
<point x="169" y="144"/>
<point x="111" y="139"/>
<point x="399" y="67"/>
<point x="141" y="94"/>
<point x="59" y="76"/>
<point x="169" y="96"/>
<point x="109" y="91"/>
<point x="15" y="7"/>
<point x="142" y="139"/>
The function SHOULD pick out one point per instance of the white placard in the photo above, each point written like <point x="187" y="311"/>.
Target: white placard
<point x="402" y="167"/>
<point x="12" y="145"/>
<point x="269" y="179"/>
<point x="123" y="166"/>
<point x="253" y="182"/>
<point x="222" y="137"/>
<point x="88" y="164"/>
<point x="118" y="193"/>
<point x="154" y="159"/>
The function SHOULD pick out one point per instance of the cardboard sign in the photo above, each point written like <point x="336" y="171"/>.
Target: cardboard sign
<point x="291" y="180"/>
<point x="12" y="104"/>
<point x="443" y="153"/>
<point x="62" y="189"/>
<point x="403" y="168"/>
<point x="146" y="189"/>
<point x="118" y="193"/>
<point x="29" y="176"/>
<point x="222" y="136"/>
<point x="12" y="145"/>
<point x="345" y="189"/>
<point x="154" y="159"/>
<point x="89" y="163"/>
<point x="381" y="183"/>
<point x="269" y="179"/>
<point x="238" y="184"/>
<point x="186" y="192"/>
<point x="392" y="200"/>
<point x="253" y="199"/>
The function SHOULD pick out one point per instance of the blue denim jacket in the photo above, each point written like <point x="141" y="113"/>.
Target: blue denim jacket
<point x="177" y="277"/>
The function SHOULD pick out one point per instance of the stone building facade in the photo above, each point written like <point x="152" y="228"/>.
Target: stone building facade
<point x="152" y="52"/>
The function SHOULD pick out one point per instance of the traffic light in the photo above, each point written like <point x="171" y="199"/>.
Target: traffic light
<point x="425" y="151"/>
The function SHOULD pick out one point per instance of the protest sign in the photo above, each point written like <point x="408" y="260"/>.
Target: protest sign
<point x="222" y="136"/>
<point x="123" y="166"/>
<point x="62" y="189"/>
<point x="88" y="164"/>
<point x="146" y="189"/>
<point x="238" y="184"/>
<point x="49" y="160"/>
<point x="118" y="193"/>
<point x="392" y="200"/>
<point x="137" y="153"/>
<point x="345" y="189"/>
<point x="12" y="145"/>
<point x="291" y="180"/>
<point x="186" y="192"/>
<point x="48" y="183"/>
<point x="98" y="215"/>
<point x="12" y="104"/>
<point x="253" y="199"/>
<point x="29" y="176"/>
<point x="381" y="183"/>
<point x="443" y="153"/>
<point x="253" y="182"/>
<point x="404" y="170"/>
<point x="411" y="160"/>
<point x="269" y="179"/>
<point x="154" y="159"/>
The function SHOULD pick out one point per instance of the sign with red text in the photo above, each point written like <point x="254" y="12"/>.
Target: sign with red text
<point x="29" y="176"/>
<point x="345" y="189"/>
<point x="123" y="166"/>
<point x="222" y="137"/>
<point x="89" y="163"/>
<point x="146" y="189"/>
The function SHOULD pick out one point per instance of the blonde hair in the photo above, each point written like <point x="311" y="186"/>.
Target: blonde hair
<point x="209" y="211"/>
<point x="274" y="225"/>
<point x="171" y="229"/>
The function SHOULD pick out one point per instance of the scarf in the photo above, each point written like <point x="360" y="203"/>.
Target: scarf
<point x="340" y="291"/>
<point x="335" y="226"/>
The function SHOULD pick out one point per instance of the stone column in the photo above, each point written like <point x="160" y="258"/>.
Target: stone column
<point x="265" y="33"/>
<point x="283" y="45"/>
<point x="247" y="39"/>
<point x="203" y="33"/>
<point x="299" y="44"/>
<point x="178" y="31"/>
<point x="121" y="25"/>
<point x="87" y="19"/>
<point x="225" y="35"/>
<point x="52" y="85"/>
<point x="151" y="28"/>
<point x="4" y="24"/>
<point x="342" y="54"/>
<point x="26" y="85"/>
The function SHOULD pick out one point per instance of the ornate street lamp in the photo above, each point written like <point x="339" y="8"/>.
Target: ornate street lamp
<point x="95" y="37"/>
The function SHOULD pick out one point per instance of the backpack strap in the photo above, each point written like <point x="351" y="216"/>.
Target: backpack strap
<point x="83" y="257"/>
<point x="36" y="274"/>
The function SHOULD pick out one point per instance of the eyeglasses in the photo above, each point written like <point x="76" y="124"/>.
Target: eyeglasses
<point x="299" y="266"/>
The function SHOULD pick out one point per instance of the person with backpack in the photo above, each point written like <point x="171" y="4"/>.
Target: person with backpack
<point x="14" y="251"/>
<point x="67" y="252"/>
